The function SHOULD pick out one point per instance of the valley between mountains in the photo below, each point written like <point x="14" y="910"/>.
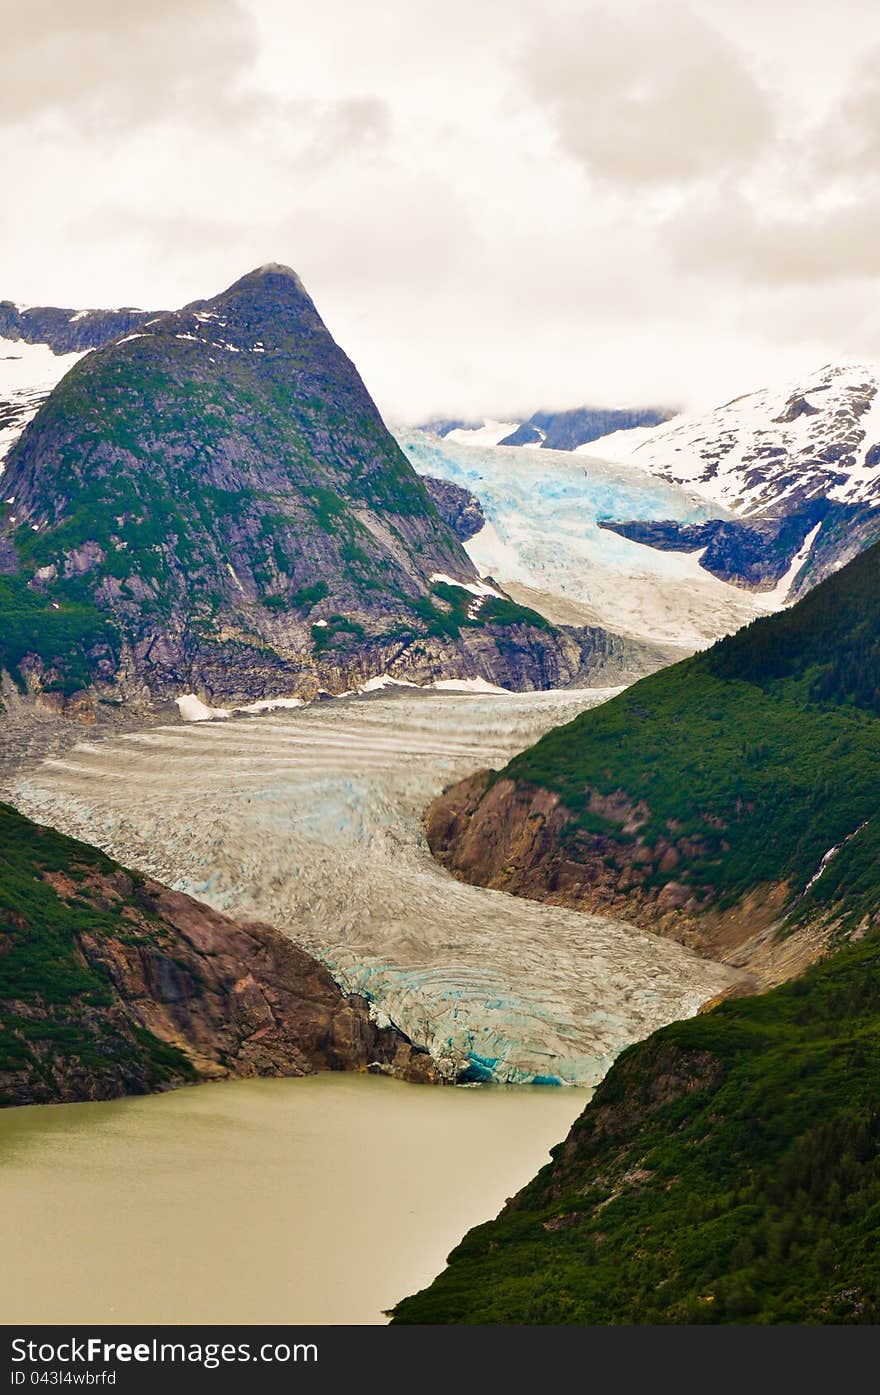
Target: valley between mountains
<point x="312" y="820"/>
<point x="540" y="756"/>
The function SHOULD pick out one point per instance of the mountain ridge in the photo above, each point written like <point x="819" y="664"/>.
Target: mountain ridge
<point x="219" y="491"/>
<point x="567" y="428"/>
<point x="711" y="801"/>
<point x="782" y="459"/>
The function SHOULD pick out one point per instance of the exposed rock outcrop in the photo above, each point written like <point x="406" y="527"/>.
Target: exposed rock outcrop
<point x="113" y="984"/>
<point x="211" y="503"/>
<point x="457" y="506"/>
<point x="522" y="839"/>
<point x="67" y="331"/>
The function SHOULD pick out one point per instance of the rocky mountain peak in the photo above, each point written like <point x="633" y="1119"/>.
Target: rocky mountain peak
<point x="267" y="311"/>
<point x="216" y="491"/>
<point x="273" y="269"/>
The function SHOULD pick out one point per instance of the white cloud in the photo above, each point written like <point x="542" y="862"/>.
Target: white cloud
<point x="103" y="65"/>
<point x="648" y="93"/>
<point x="621" y="203"/>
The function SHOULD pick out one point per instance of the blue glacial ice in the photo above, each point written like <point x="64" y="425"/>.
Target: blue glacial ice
<point x="543" y="541"/>
<point x="312" y="820"/>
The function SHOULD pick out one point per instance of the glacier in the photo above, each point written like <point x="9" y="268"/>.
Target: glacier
<point x="544" y="545"/>
<point x="311" y="819"/>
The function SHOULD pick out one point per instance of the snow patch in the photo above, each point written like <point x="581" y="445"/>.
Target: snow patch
<point x="466" y="685"/>
<point x="476" y="588"/>
<point x="490" y="554"/>
<point x="384" y="680"/>
<point x="829" y="857"/>
<point x="779" y="595"/>
<point x="270" y="704"/>
<point x="617" y="445"/>
<point x="31" y="367"/>
<point x="192" y="709"/>
<point x="491" y="433"/>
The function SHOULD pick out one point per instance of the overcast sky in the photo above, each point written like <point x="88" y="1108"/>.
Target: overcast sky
<point x="496" y="204"/>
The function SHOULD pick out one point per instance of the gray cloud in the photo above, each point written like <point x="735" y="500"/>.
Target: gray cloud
<point x="490" y="213"/>
<point x="736" y="235"/>
<point x="848" y="144"/>
<point x="109" y="69"/>
<point x="325" y="132"/>
<point x="805" y="215"/>
<point x="648" y="94"/>
<point x="105" y="64"/>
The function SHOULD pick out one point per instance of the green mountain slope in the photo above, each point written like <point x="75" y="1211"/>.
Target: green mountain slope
<point x="219" y="486"/>
<point x="728" y="1168"/>
<point x="721" y="782"/>
<point x="726" y="1171"/>
<point x="111" y="984"/>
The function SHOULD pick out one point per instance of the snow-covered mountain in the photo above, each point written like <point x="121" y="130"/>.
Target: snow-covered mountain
<point x="793" y="463"/>
<point x="819" y="437"/>
<point x="559" y="430"/>
<point x="38" y="344"/>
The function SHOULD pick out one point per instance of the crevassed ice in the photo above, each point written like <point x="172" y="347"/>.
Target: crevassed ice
<point x="543" y="543"/>
<point x="312" y="820"/>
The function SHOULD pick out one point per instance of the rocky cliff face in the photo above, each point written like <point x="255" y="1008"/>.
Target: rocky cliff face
<point x="711" y="801"/>
<point x="457" y="506"/>
<point x="111" y="984"/>
<point x="524" y="840"/>
<point x="66" y="331"/>
<point x="216" y="493"/>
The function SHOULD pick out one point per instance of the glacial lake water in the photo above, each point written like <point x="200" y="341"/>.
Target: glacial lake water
<point x="325" y="1199"/>
<point x="321" y="1200"/>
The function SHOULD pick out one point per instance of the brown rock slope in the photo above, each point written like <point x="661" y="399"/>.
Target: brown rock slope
<point x="524" y="840"/>
<point x="721" y="801"/>
<point x="111" y="984"/>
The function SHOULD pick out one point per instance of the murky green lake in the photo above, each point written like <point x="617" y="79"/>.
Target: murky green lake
<point x="322" y="1200"/>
